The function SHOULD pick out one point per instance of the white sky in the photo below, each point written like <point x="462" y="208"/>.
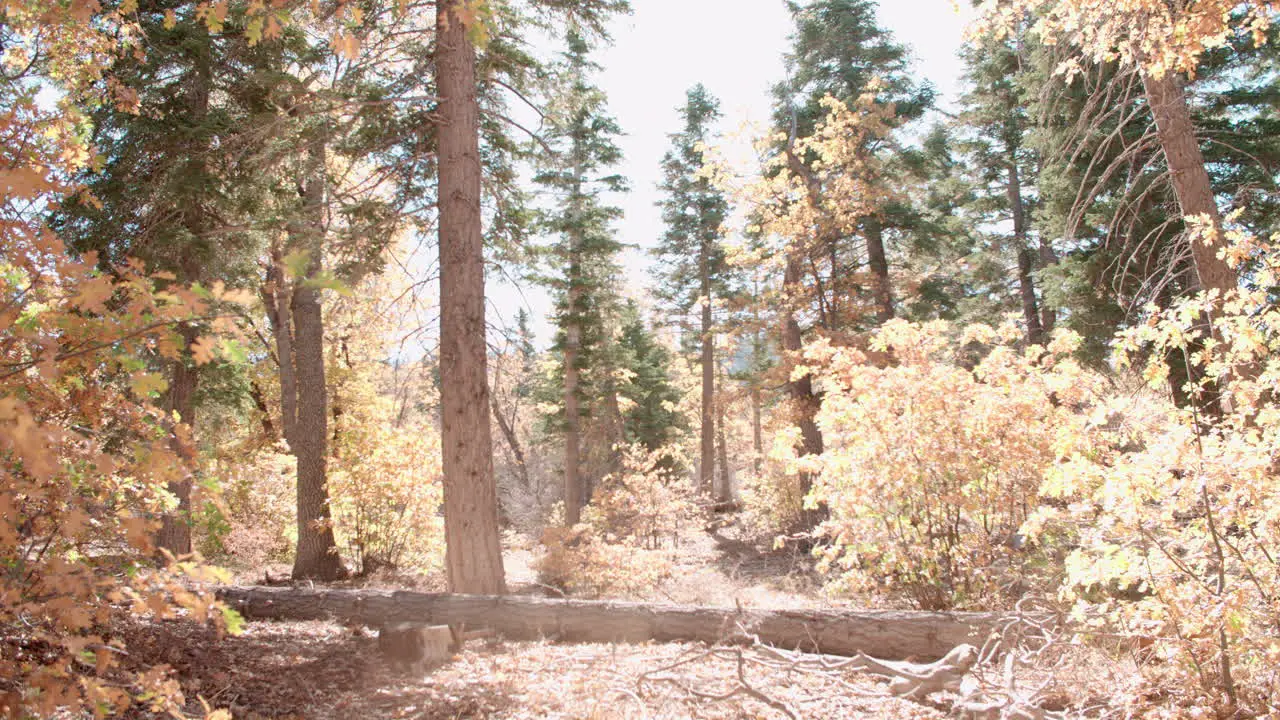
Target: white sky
<point x="735" y="48"/>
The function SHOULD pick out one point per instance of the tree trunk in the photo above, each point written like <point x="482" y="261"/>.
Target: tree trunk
<point x="317" y="555"/>
<point x="572" y="424"/>
<point x="260" y="402"/>
<point x="757" y="430"/>
<point x="724" y="489"/>
<point x="281" y="317"/>
<point x="1047" y="258"/>
<point x="801" y="389"/>
<point x="885" y="634"/>
<point x="1168" y="101"/>
<point x="879" y="264"/>
<point x="184" y="377"/>
<point x="1026" y="256"/>
<point x="1027" y="291"/>
<point x="706" y="459"/>
<point x="473" y="546"/>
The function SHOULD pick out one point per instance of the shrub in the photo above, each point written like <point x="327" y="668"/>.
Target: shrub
<point x="930" y="466"/>
<point x="387" y="493"/>
<point x="617" y="549"/>
<point x="1182" y="509"/>
<point x="259" y="497"/>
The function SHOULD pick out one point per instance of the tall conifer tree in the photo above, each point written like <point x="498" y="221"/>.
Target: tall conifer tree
<point x="692" y="267"/>
<point x="582" y="136"/>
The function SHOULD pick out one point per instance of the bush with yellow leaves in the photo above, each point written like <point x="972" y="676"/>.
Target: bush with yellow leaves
<point x="931" y="466"/>
<point x="962" y="485"/>
<point x="1182" y="508"/>
<point x="387" y="492"/>
<point x="618" y="549"/>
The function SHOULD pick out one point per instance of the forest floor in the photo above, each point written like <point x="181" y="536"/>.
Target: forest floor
<point x="323" y="671"/>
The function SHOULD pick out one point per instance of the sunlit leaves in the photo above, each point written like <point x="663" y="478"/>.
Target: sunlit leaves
<point x="1159" y="36"/>
<point x="931" y="468"/>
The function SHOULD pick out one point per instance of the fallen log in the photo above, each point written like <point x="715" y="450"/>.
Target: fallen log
<point x="889" y="634"/>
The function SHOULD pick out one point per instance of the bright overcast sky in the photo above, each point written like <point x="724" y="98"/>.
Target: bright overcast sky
<point x="735" y="48"/>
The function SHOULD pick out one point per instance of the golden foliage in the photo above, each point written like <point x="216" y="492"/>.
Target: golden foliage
<point x="1157" y="35"/>
<point x="85" y="451"/>
<point x="931" y="465"/>
<point x="1185" y="510"/>
<point x="960" y="482"/>
<point x="617" y="549"/>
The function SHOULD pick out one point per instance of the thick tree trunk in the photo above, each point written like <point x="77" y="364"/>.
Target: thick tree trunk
<point x="281" y="315"/>
<point x="473" y="547"/>
<point x="879" y="264"/>
<point x="1168" y="102"/>
<point x="1027" y="292"/>
<point x="317" y="554"/>
<point x="883" y="634"/>
<point x="1047" y="258"/>
<point x="706" y="459"/>
<point x="184" y="377"/>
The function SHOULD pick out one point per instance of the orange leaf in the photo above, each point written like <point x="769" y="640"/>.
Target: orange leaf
<point x="202" y="349"/>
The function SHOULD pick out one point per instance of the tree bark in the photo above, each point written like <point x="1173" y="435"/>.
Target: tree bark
<point x="757" y="429"/>
<point x="260" y="402"/>
<point x="184" y="377"/>
<point x="572" y="424"/>
<point x="281" y="316"/>
<point x="884" y="634"/>
<point x="724" y="488"/>
<point x="706" y="460"/>
<point x="1027" y="292"/>
<point x="1047" y="258"/>
<point x="1026" y="257"/>
<point x="1168" y="101"/>
<point x="801" y="389"/>
<point x="879" y="264"/>
<point x="473" y="547"/>
<point x="317" y="552"/>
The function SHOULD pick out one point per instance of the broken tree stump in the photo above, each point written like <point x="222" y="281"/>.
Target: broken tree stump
<point x="894" y="635"/>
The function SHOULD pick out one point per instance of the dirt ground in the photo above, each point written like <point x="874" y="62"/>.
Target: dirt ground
<point x="323" y="671"/>
<point x="326" y="671"/>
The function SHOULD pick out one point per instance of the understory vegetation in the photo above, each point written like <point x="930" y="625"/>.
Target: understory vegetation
<point x="1015" y="351"/>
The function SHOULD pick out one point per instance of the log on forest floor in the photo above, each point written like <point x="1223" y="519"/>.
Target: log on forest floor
<point x="893" y="635"/>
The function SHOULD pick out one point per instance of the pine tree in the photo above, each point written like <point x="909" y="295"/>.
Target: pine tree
<point x="839" y="49"/>
<point x="651" y="418"/>
<point x="175" y="190"/>
<point x="692" y="268"/>
<point x="581" y="134"/>
<point x="474" y="551"/>
<point x="994" y="128"/>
